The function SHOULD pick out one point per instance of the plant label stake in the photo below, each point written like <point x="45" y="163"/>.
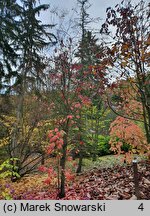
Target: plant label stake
<point x="136" y="179"/>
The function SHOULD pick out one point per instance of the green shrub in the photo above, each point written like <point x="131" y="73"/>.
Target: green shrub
<point x="103" y="145"/>
<point x="7" y="169"/>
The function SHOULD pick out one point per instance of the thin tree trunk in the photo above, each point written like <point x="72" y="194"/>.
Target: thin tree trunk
<point x="79" y="169"/>
<point x="58" y="174"/>
<point x="17" y="143"/>
<point x="63" y="165"/>
<point x="146" y="126"/>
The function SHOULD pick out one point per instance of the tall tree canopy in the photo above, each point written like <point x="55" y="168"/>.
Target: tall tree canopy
<point x="23" y="37"/>
<point x="129" y="52"/>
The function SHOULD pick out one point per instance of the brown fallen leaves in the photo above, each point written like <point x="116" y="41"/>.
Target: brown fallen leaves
<point x="115" y="183"/>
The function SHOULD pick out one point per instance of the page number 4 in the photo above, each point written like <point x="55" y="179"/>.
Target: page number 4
<point x="141" y="207"/>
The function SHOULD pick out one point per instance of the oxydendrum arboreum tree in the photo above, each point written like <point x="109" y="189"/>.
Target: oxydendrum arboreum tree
<point x="66" y="99"/>
<point x="129" y="58"/>
<point x="70" y="96"/>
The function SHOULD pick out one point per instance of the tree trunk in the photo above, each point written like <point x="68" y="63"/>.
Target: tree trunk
<point x="96" y="137"/>
<point x="146" y="122"/>
<point x="63" y="165"/>
<point x="17" y="144"/>
<point x="148" y="130"/>
<point x="79" y="169"/>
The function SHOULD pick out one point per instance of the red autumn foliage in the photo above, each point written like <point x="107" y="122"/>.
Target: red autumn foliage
<point x="55" y="146"/>
<point x="69" y="176"/>
<point x="42" y="169"/>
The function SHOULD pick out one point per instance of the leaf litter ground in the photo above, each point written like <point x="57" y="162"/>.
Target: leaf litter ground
<point x="115" y="183"/>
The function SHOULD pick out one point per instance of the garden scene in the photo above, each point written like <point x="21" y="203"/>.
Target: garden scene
<point x="74" y="100"/>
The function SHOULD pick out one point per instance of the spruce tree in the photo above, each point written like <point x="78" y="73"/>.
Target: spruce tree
<point x="9" y="11"/>
<point x="24" y="39"/>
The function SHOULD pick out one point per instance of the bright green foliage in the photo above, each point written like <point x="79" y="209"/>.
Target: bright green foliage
<point x="9" y="169"/>
<point x="103" y="145"/>
<point x="96" y="123"/>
